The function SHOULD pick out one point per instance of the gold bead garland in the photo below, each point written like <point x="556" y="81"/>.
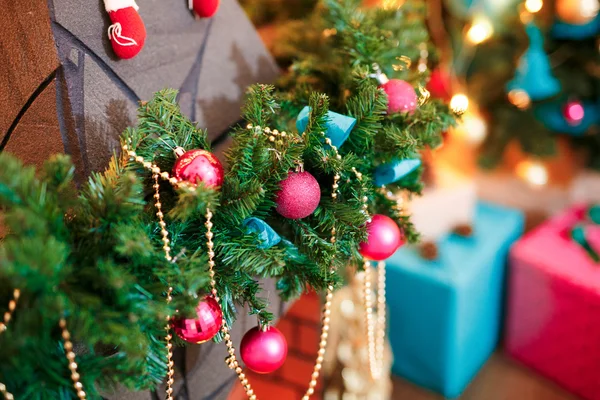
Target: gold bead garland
<point x="6" y="393"/>
<point x="231" y="360"/>
<point x="67" y="345"/>
<point x="375" y="329"/>
<point x="156" y="174"/>
<point x="70" y="354"/>
<point x="167" y="249"/>
<point x="12" y="305"/>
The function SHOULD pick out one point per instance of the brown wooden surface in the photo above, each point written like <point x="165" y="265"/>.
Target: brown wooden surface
<point x="500" y="379"/>
<point x="27" y="52"/>
<point x="37" y="135"/>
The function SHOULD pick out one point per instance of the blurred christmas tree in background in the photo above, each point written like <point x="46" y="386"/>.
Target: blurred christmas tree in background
<point x="531" y="67"/>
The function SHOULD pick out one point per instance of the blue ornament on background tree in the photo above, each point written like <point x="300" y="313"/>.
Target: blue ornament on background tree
<point x="563" y="30"/>
<point x="534" y="72"/>
<point x="572" y="117"/>
<point x="338" y="126"/>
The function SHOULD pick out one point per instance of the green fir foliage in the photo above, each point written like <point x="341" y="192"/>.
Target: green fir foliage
<point x="95" y="256"/>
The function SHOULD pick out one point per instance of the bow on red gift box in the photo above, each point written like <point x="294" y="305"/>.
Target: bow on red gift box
<point x="587" y="233"/>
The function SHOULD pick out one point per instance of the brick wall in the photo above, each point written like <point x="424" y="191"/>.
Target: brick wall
<point x="301" y="326"/>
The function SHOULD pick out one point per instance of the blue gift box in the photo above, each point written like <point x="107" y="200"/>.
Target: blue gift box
<point x="445" y="314"/>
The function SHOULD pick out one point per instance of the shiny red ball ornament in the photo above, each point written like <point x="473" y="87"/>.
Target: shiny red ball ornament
<point x="263" y="351"/>
<point x="197" y="166"/>
<point x="299" y="196"/>
<point x="401" y="96"/>
<point x="206" y="324"/>
<point x="574" y="112"/>
<point x="205" y="8"/>
<point x="439" y="84"/>
<point x="127" y="33"/>
<point x="385" y="237"/>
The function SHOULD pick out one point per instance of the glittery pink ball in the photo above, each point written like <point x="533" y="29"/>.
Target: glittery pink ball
<point x="263" y="351"/>
<point x="385" y="237"/>
<point x="299" y="195"/>
<point x="208" y="321"/>
<point x="574" y="112"/>
<point x="401" y="96"/>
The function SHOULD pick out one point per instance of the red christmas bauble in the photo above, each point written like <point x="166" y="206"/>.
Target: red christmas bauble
<point x="401" y="96"/>
<point x="127" y="34"/>
<point x="205" y="326"/>
<point x="299" y="196"/>
<point x="574" y="112"/>
<point x="205" y="8"/>
<point x="263" y="351"/>
<point x="385" y="237"/>
<point x="439" y="84"/>
<point x="197" y="166"/>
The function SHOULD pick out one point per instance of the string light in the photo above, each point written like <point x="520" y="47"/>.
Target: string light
<point x="519" y="98"/>
<point x="475" y="128"/>
<point x="329" y="32"/>
<point x="534" y="6"/>
<point x="480" y="31"/>
<point x="392" y="4"/>
<point x="459" y="103"/>
<point x="532" y="172"/>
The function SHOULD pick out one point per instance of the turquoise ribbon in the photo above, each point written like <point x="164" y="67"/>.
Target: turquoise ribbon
<point x="267" y="237"/>
<point x="579" y="232"/>
<point x="338" y="126"/>
<point x="395" y="170"/>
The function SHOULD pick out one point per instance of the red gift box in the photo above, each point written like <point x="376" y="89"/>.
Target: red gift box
<point x="553" y="323"/>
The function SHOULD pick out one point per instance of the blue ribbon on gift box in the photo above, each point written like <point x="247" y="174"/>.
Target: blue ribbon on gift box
<point x="338" y="126"/>
<point x="267" y="237"/>
<point x="579" y="233"/>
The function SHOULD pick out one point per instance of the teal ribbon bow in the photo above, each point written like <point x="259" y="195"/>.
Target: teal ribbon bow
<point x="579" y="233"/>
<point x="338" y="126"/>
<point x="395" y="170"/>
<point x="267" y="237"/>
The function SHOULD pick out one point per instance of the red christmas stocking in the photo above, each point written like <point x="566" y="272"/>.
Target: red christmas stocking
<point x="127" y="33"/>
<point x="204" y="8"/>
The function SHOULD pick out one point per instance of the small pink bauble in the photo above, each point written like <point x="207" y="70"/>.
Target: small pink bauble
<point x="263" y="351"/>
<point x="574" y="112"/>
<point x="401" y="96"/>
<point x="195" y="166"/>
<point x="385" y="237"/>
<point x="206" y="324"/>
<point x="299" y="196"/>
<point x="439" y="84"/>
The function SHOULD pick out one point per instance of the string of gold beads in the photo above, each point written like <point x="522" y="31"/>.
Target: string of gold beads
<point x="232" y="361"/>
<point x="156" y="175"/>
<point x="70" y="354"/>
<point x="151" y="167"/>
<point x="167" y="249"/>
<point x="7" y="395"/>
<point x="375" y="329"/>
<point x="12" y="305"/>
